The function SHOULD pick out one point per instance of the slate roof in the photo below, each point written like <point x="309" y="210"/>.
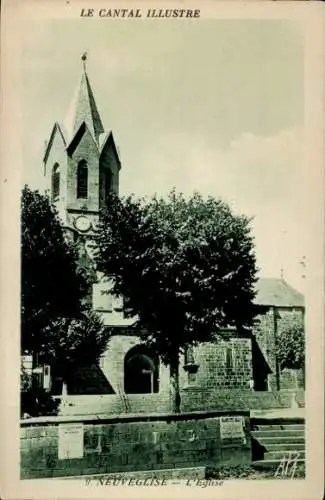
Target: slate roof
<point x="83" y="109"/>
<point x="276" y="292"/>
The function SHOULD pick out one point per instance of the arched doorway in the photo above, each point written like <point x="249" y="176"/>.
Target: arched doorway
<point x="141" y="370"/>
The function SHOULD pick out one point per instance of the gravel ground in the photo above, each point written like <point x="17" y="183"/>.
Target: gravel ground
<point x="250" y="472"/>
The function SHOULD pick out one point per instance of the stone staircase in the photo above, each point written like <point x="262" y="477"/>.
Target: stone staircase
<point x="278" y="442"/>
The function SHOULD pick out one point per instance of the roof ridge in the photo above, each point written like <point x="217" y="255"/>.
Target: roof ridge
<point x="83" y="108"/>
<point x="278" y="292"/>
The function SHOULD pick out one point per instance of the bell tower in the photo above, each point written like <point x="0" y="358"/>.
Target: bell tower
<point x="81" y="162"/>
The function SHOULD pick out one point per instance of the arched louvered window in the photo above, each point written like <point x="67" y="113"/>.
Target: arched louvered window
<point x="55" y="182"/>
<point x="82" y="180"/>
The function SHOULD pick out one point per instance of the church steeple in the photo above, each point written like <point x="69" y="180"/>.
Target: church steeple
<point x="81" y="162"/>
<point x="83" y="108"/>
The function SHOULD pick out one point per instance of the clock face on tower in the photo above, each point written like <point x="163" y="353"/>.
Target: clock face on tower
<point x="82" y="223"/>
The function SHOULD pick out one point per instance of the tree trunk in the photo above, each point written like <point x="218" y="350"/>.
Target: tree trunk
<point x="303" y="376"/>
<point x="296" y="379"/>
<point x="64" y="389"/>
<point x="174" y="384"/>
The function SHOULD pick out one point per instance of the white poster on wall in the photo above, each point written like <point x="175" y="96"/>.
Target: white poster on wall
<point x="71" y="441"/>
<point x="232" y="427"/>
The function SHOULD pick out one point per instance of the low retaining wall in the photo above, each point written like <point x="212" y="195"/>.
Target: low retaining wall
<point x="193" y="399"/>
<point x="238" y="399"/>
<point x="63" y="446"/>
<point x="113" y="404"/>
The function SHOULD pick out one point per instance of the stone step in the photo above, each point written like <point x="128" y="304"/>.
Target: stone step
<point x="285" y="446"/>
<point x="279" y="439"/>
<point x="279" y="427"/>
<point x="274" y="463"/>
<point x="287" y="455"/>
<point x="279" y="432"/>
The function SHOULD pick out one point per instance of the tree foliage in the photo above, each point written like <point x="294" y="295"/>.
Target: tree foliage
<point x="186" y="267"/>
<point x="56" y="326"/>
<point x="291" y="346"/>
<point x="50" y="284"/>
<point x="68" y="343"/>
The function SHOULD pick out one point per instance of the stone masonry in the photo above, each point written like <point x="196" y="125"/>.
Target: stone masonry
<point x="133" y="444"/>
<point x="267" y="333"/>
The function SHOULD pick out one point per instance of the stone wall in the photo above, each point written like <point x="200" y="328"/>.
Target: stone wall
<point x="87" y="150"/>
<point x="238" y="399"/>
<point x="115" y="404"/>
<point x="192" y="399"/>
<point x="112" y="363"/>
<point x="56" y="153"/>
<point x="264" y="331"/>
<point x="108" y="162"/>
<point x="131" y="444"/>
<point x="83" y="147"/>
<point x="226" y="363"/>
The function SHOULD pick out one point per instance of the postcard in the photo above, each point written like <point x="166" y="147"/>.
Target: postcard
<point x="162" y="198"/>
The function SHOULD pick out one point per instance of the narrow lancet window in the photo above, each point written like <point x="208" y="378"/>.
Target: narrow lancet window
<point x="82" y="180"/>
<point x="55" y="182"/>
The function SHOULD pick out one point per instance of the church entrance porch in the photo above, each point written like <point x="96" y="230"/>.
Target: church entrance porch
<point x="141" y="370"/>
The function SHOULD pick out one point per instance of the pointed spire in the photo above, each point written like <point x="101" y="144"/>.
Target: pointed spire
<point x="83" y="108"/>
<point x="84" y="59"/>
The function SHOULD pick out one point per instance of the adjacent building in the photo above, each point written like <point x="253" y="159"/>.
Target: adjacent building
<point x="282" y="306"/>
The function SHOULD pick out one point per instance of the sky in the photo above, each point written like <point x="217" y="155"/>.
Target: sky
<point x="215" y="106"/>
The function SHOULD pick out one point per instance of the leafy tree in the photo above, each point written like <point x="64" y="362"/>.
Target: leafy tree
<point x="186" y="267"/>
<point x="50" y="284"/>
<point x="290" y="348"/>
<point x="69" y="344"/>
<point x="56" y="326"/>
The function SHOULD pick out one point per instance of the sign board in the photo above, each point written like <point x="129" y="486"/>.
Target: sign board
<point x="232" y="427"/>
<point x="47" y="377"/>
<point x="71" y="441"/>
<point x="27" y="363"/>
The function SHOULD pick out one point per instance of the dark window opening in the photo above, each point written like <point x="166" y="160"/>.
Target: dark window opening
<point x="82" y="180"/>
<point x="190" y="366"/>
<point x="229" y="359"/>
<point x="189" y="355"/>
<point x="261" y="368"/>
<point x="141" y="371"/>
<point x="55" y="182"/>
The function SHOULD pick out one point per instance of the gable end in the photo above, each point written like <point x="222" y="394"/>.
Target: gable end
<point x="77" y="138"/>
<point x="110" y="143"/>
<point x="55" y="128"/>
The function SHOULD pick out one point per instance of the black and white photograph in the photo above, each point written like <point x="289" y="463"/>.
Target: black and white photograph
<point x="170" y="248"/>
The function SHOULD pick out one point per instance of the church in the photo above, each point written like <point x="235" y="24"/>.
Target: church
<point x="82" y="165"/>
